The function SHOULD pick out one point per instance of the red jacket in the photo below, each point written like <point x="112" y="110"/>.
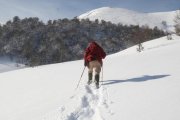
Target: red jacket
<point x="94" y="52"/>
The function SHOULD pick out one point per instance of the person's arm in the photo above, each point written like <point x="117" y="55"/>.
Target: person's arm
<point x="85" y="57"/>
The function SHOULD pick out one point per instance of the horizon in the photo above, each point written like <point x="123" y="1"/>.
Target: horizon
<point x="59" y="9"/>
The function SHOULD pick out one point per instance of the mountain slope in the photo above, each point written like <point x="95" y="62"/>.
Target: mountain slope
<point x="6" y="64"/>
<point x="140" y="86"/>
<point x="129" y="17"/>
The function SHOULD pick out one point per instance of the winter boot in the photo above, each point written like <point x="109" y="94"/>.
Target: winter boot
<point x="97" y="80"/>
<point x="89" y="78"/>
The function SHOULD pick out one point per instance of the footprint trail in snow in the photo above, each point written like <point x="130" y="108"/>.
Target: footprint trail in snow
<point x="89" y="104"/>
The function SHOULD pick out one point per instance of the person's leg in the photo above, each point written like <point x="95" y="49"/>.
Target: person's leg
<point x="90" y="73"/>
<point x="97" y="73"/>
<point x="89" y="78"/>
<point x="97" y="80"/>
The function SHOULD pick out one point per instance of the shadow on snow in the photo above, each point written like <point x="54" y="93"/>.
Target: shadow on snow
<point x="138" y="79"/>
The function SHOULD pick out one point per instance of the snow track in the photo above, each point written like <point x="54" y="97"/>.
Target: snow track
<point x="86" y="104"/>
<point x="89" y="105"/>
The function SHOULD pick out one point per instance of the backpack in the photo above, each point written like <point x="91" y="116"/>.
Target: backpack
<point x="94" y="52"/>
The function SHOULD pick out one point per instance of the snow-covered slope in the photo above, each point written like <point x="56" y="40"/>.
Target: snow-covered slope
<point x="129" y="17"/>
<point x="135" y="86"/>
<point x="6" y="64"/>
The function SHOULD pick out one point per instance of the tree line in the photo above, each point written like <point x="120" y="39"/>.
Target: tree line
<point x="34" y="42"/>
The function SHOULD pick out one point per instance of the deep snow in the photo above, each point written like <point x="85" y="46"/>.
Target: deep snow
<point x="135" y="86"/>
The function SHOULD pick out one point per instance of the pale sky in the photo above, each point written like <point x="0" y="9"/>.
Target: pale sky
<point x="56" y="9"/>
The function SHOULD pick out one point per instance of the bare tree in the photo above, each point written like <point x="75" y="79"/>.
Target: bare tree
<point x="165" y="27"/>
<point x="177" y="22"/>
<point x="139" y="38"/>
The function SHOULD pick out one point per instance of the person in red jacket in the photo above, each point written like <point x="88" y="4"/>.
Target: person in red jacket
<point x="93" y="60"/>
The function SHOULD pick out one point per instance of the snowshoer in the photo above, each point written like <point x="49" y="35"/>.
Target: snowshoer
<point x="93" y="60"/>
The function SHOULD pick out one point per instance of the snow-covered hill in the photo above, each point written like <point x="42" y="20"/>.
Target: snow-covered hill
<point x="135" y="86"/>
<point x="6" y="64"/>
<point x="129" y="17"/>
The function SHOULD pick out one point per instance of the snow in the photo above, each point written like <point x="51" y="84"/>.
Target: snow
<point x="6" y="64"/>
<point x="129" y="17"/>
<point x="135" y="86"/>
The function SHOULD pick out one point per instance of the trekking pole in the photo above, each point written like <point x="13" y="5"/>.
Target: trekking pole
<point x="80" y="77"/>
<point x="102" y="76"/>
